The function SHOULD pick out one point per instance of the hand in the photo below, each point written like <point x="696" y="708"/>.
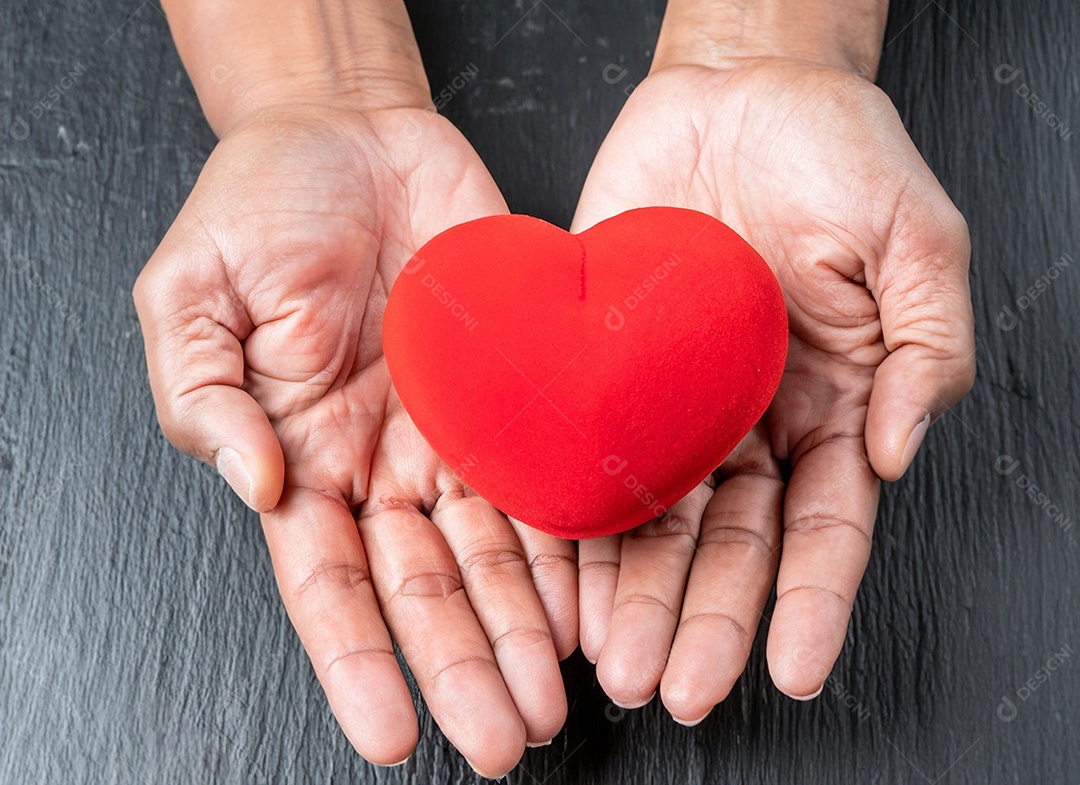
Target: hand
<point x="813" y="167"/>
<point x="262" y="313"/>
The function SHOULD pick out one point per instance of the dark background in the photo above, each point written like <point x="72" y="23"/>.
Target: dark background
<point x="141" y="636"/>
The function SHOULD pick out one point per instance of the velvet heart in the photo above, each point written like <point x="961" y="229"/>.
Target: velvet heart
<point x="585" y="383"/>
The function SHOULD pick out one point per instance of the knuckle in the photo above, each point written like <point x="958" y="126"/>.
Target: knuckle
<point x="816" y="523"/>
<point x="829" y="594"/>
<point x="609" y="568"/>
<point x="362" y="654"/>
<point x="543" y="562"/>
<point x="173" y="416"/>
<point x="145" y="289"/>
<point x="492" y="558"/>
<point x="723" y="537"/>
<point x="333" y="575"/>
<point x="965" y="374"/>
<point x="177" y="414"/>
<point x="442" y="670"/>
<point x="722" y="619"/>
<point x="434" y="584"/>
<point x="680" y="528"/>
<point x="645" y="600"/>
<point x="452" y="490"/>
<point x="519" y="638"/>
<point x="956" y="228"/>
<point x="171" y="428"/>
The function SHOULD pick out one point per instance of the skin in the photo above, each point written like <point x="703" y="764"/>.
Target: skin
<point x="261" y="313"/>
<point x="812" y="165"/>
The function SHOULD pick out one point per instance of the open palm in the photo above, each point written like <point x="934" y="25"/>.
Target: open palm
<point x="813" y="167"/>
<point x="262" y="313"/>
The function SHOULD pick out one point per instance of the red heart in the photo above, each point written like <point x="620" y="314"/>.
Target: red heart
<point x="585" y="383"/>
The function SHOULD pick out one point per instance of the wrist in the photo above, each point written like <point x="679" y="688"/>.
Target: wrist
<point x="248" y="57"/>
<point x="843" y="34"/>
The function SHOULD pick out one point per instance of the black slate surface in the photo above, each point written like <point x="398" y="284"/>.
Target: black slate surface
<point x="141" y="637"/>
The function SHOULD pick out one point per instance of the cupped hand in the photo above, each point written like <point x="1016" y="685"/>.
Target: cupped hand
<point x="261" y="312"/>
<point x="813" y="167"/>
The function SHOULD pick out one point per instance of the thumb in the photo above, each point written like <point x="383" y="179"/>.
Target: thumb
<point x="192" y="325"/>
<point x="624" y="175"/>
<point x="922" y="291"/>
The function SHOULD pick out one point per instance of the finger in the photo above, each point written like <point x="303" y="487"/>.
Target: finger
<point x="192" y="328"/>
<point x="653" y="566"/>
<point x="598" y="577"/>
<point x="496" y="577"/>
<point x="425" y="605"/>
<point x="554" y="568"/>
<point x="829" y="514"/>
<point x="922" y="292"/>
<point x="732" y="575"/>
<point x="322" y="573"/>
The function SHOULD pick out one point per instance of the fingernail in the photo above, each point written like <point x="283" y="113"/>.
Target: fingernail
<point x="692" y="723"/>
<point x="402" y="762"/>
<point x="232" y="469"/>
<point x="539" y="743"/>
<point x="634" y="705"/>
<point x="809" y="697"/>
<point x="915" y="440"/>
